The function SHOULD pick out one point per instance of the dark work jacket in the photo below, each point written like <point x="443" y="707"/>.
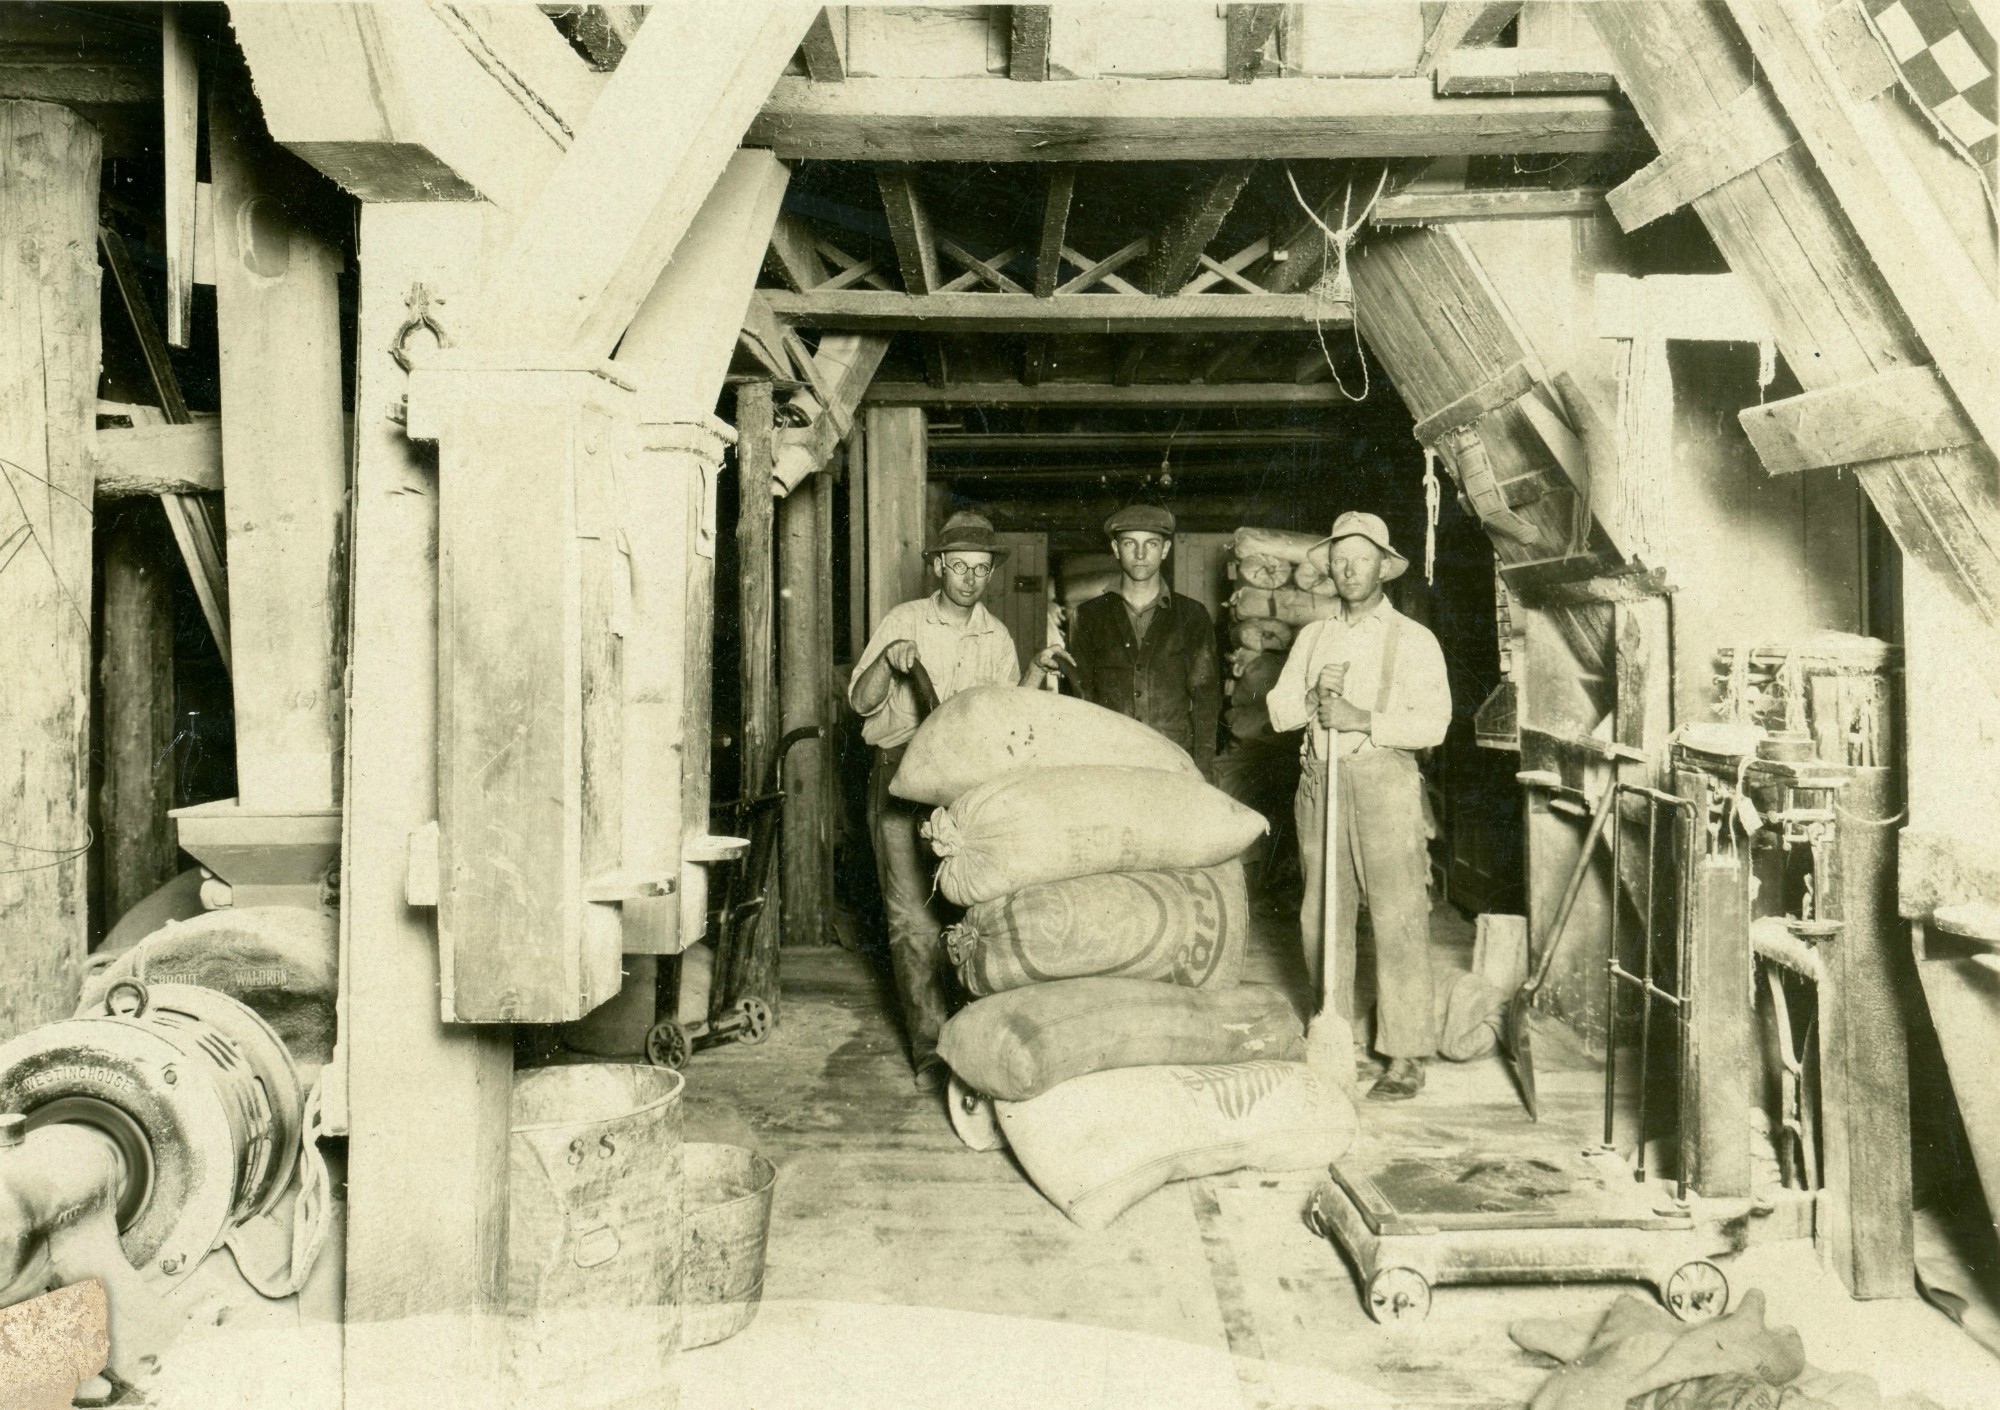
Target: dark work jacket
<point x="1169" y="681"/>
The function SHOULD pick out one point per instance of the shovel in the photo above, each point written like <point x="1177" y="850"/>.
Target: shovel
<point x="1330" y="1037"/>
<point x="1515" y="1033"/>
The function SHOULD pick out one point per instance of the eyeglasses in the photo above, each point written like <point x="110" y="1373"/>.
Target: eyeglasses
<point x="978" y="572"/>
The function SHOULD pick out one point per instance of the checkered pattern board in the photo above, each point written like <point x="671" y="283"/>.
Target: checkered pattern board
<point x="1944" y="50"/>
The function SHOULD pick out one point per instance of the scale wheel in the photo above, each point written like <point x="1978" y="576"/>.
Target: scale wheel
<point x="973" y="1117"/>
<point x="668" y="1045"/>
<point x="756" y="1020"/>
<point x="1697" y="1291"/>
<point x="1397" y="1296"/>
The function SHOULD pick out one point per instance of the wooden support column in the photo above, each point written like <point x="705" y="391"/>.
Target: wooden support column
<point x="805" y="591"/>
<point x="857" y="540"/>
<point x="1715" y="1088"/>
<point x="136" y="700"/>
<point x="284" y="441"/>
<point x="48" y="388"/>
<point x="898" y="450"/>
<point x="756" y="593"/>
<point x="425" y="1105"/>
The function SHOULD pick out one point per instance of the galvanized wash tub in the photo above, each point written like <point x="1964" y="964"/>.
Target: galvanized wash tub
<point x="728" y="1220"/>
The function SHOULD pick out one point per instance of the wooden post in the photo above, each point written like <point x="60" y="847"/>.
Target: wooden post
<point x="48" y="388"/>
<point x="284" y="441"/>
<point x="426" y="1106"/>
<point x="756" y="602"/>
<point x="805" y="581"/>
<point x="858" y="624"/>
<point x="136" y="695"/>
<point x="897" y="445"/>
<point x="1716" y="1085"/>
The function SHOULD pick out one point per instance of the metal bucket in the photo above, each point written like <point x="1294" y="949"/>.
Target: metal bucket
<point x="728" y="1221"/>
<point x="594" y="1230"/>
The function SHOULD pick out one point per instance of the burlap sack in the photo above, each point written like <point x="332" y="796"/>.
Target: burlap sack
<point x="1252" y="602"/>
<point x="1272" y="543"/>
<point x="1261" y="570"/>
<point x="1256" y="634"/>
<point x="980" y="734"/>
<point x="1296" y="606"/>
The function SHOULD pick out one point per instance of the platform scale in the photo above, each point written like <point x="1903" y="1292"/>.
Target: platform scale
<point x="1425" y="1202"/>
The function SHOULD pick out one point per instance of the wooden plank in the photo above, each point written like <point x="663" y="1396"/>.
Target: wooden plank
<point x="180" y="111"/>
<point x="1048" y="393"/>
<point x="909" y="228"/>
<point x="136" y="702"/>
<point x="1229" y="271"/>
<point x="284" y="437"/>
<point x="1079" y="313"/>
<point x="1431" y="207"/>
<point x="1905" y="412"/>
<point x="425" y="1108"/>
<point x="1464" y="72"/>
<point x="1932" y="275"/>
<point x="1249" y="29"/>
<point x="419" y="102"/>
<point x="1707" y="308"/>
<point x="856" y="480"/>
<point x="56" y="74"/>
<point x="1510" y="385"/>
<point x="1203" y="207"/>
<point x="755" y="593"/>
<point x="1028" y="29"/>
<point x="795" y="256"/>
<point x="825" y="46"/>
<point x="1091" y="273"/>
<point x="1170" y="120"/>
<point x="982" y="269"/>
<point x="153" y="460"/>
<point x="805" y="578"/>
<point x="1056" y="197"/>
<point x="1463" y="22"/>
<point x="597" y="235"/>
<point x="844" y="366"/>
<point x="1725" y="144"/>
<point x="896" y="459"/>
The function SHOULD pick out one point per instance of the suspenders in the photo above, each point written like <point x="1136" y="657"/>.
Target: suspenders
<point x="1383" y="689"/>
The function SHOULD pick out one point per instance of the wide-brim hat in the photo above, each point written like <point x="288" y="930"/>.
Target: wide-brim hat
<point x="966" y="532"/>
<point x="1356" y="524"/>
<point x="1140" y="519"/>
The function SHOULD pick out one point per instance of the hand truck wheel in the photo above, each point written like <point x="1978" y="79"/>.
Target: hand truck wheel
<point x="754" y="1020"/>
<point x="1697" y="1291"/>
<point x="1398" y="1296"/>
<point x="668" y="1045"/>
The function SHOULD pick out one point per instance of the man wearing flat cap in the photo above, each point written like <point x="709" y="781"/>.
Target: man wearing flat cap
<point x="1372" y="684"/>
<point x="1143" y="649"/>
<point x="959" y="645"/>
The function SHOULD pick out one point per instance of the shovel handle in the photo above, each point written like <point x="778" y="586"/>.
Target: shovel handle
<point x="1599" y="816"/>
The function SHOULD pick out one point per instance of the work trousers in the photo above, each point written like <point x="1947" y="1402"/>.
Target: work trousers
<point x="1380" y="854"/>
<point x="904" y="872"/>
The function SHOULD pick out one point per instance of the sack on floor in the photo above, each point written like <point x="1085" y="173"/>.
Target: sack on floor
<point x="1185" y="927"/>
<point x="1272" y="543"/>
<point x="1260" y="634"/>
<point x="1296" y="606"/>
<point x="1252" y="602"/>
<point x="1037" y="825"/>
<point x="1097" y="1145"/>
<point x="980" y="734"/>
<point x="1468" y="1018"/>
<point x="1263" y="571"/>
<point x="1017" y="1045"/>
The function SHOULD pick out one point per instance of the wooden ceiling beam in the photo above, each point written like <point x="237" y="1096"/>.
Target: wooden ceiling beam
<point x="1430" y="207"/>
<point x="1193" y="224"/>
<point x="1028" y="28"/>
<point x="1056" y="199"/>
<point x="1476" y="71"/>
<point x="910" y="228"/>
<point x="1248" y="29"/>
<point x="974" y="119"/>
<point x="858" y="310"/>
<point x="1047" y="393"/>
<point x="825" y="46"/>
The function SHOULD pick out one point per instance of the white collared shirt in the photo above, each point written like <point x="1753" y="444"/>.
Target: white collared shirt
<point x="1417" y="711"/>
<point x="957" y="656"/>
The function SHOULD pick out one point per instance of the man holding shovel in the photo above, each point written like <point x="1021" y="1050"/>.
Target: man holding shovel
<point x="1372" y="683"/>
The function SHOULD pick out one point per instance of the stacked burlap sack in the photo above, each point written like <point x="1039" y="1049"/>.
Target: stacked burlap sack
<point x="1282" y="584"/>
<point x="1103" y="943"/>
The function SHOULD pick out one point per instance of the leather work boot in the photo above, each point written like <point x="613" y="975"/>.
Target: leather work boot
<point x="1403" y="1080"/>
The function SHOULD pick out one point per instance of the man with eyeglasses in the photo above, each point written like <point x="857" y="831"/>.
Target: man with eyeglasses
<point x="1143" y="649"/>
<point x="960" y="645"/>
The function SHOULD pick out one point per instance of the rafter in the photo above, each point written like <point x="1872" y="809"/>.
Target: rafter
<point x="988" y="270"/>
<point x="1078" y="313"/>
<point x="910" y="228"/>
<point x="852" y="270"/>
<point x="1188" y="231"/>
<point x="1104" y="271"/>
<point x="1056" y="198"/>
<point x="1028" y="29"/>
<point x="1464" y="22"/>
<point x="825" y="46"/>
<point x="1230" y="270"/>
<point x="794" y="256"/>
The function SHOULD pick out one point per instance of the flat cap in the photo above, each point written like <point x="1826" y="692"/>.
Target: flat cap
<point x="1140" y="519"/>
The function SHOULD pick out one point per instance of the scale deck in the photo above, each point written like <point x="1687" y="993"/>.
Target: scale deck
<point x="1474" y="1204"/>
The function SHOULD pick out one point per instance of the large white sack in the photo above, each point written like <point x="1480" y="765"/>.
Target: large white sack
<point x="1273" y="543"/>
<point x="1296" y="606"/>
<point x="1039" y="825"/>
<point x="991" y="730"/>
<point x="1259" y="570"/>
<point x="1096" y="1145"/>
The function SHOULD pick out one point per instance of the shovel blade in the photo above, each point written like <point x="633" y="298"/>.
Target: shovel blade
<point x="1521" y="1051"/>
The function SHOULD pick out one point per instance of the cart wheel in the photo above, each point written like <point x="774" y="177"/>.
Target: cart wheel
<point x="1398" y="1295"/>
<point x="667" y="1045"/>
<point x="1696" y="1291"/>
<point x="972" y="1116"/>
<point x="756" y="1020"/>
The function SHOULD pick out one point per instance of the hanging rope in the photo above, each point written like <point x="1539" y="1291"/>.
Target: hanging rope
<point x="312" y="1213"/>
<point x="1335" y="285"/>
<point x="1433" y="493"/>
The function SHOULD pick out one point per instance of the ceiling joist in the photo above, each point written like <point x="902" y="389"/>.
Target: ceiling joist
<point x="858" y="310"/>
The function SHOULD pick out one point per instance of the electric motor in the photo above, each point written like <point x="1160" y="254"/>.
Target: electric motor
<point x="197" y="1093"/>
